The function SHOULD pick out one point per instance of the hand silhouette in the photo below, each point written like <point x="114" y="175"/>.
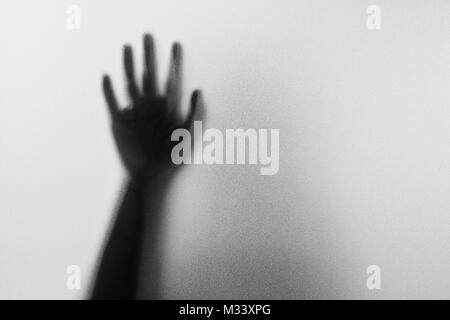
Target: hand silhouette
<point x="143" y="130"/>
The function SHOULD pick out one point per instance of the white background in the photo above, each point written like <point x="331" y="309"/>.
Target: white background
<point x="364" y="121"/>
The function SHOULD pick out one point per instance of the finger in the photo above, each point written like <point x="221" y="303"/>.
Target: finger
<point x="195" y="100"/>
<point x="174" y="81"/>
<point x="129" y="72"/>
<point x="110" y="97"/>
<point x="149" y="80"/>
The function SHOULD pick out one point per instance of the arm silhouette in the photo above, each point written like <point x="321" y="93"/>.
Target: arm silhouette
<point x="142" y="132"/>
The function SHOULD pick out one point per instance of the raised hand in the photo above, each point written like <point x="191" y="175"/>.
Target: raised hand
<point x="142" y="130"/>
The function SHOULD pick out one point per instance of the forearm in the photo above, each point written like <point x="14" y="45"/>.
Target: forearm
<point x="118" y="268"/>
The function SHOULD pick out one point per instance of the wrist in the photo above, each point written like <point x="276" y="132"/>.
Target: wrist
<point x="145" y="178"/>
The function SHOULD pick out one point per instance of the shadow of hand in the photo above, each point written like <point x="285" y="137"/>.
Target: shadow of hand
<point x="142" y="131"/>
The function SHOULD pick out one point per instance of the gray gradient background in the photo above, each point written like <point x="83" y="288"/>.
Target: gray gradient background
<point x="364" y="119"/>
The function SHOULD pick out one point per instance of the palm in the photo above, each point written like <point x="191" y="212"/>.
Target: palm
<point x="142" y="131"/>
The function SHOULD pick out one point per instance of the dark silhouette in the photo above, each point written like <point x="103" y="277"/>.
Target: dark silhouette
<point x="142" y="133"/>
